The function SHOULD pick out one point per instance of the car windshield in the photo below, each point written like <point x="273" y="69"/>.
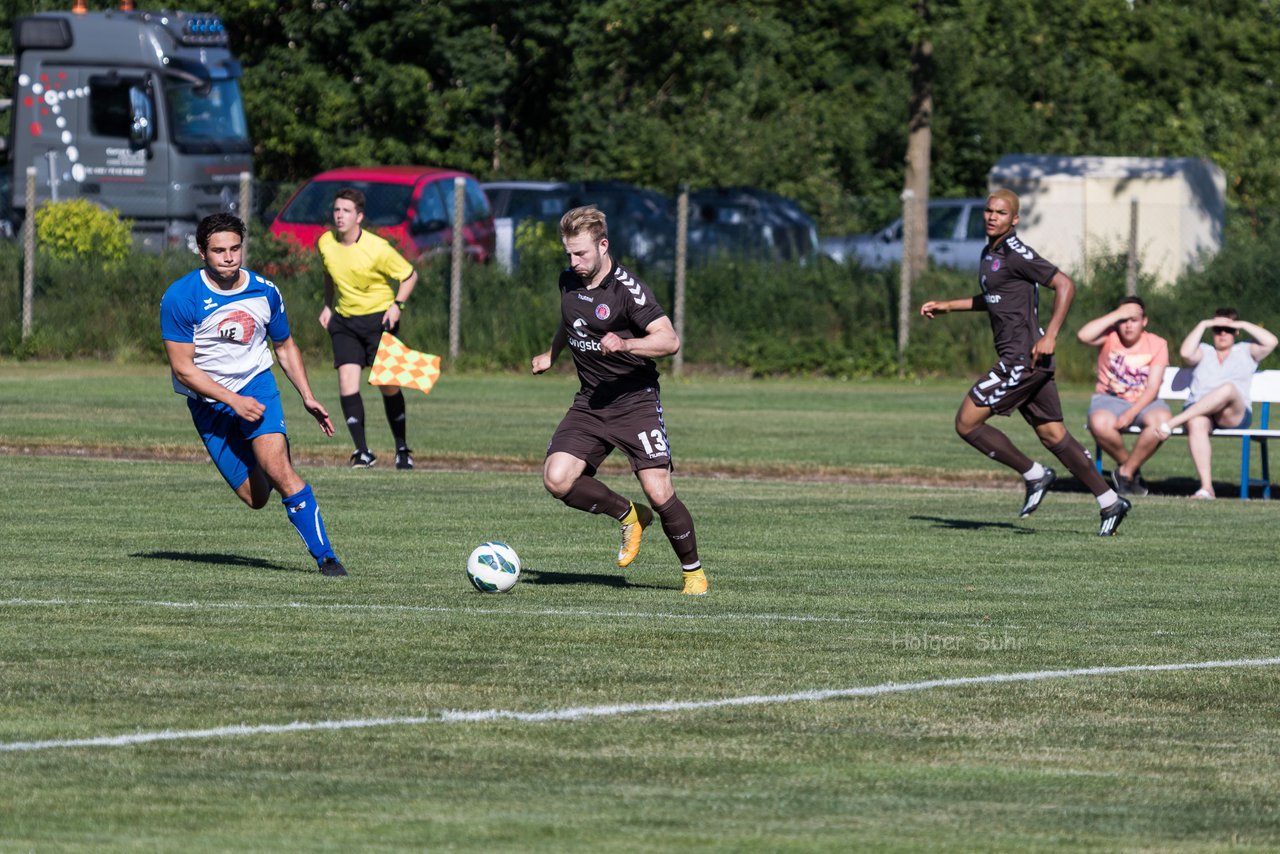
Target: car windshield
<point x="942" y="222"/>
<point x="384" y="204"/>
<point x="537" y="204"/>
<point x="208" y="121"/>
<point x="633" y="205"/>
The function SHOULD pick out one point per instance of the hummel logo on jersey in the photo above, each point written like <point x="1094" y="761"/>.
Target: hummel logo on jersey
<point x="633" y="286"/>
<point x="209" y="304"/>
<point x="1016" y="245"/>
<point x="585" y="298"/>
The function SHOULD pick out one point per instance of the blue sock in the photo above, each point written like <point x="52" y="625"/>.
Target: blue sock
<point x="304" y="515"/>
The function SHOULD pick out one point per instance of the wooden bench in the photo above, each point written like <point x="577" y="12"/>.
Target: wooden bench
<point x="1264" y="391"/>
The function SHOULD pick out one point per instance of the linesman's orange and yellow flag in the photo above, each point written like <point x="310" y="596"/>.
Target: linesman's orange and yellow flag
<point x="396" y="364"/>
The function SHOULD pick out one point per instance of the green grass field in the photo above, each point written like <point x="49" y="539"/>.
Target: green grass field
<point x="889" y="659"/>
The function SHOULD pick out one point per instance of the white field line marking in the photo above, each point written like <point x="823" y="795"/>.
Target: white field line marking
<point x="575" y="713"/>
<point x="425" y="609"/>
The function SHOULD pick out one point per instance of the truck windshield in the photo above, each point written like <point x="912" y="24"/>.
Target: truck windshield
<point x="208" y="122"/>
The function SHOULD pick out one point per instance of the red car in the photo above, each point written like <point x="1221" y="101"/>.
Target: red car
<point x="412" y="206"/>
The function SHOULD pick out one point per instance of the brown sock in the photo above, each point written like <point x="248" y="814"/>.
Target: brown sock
<point x="997" y="446"/>
<point x="677" y="524"/>
<point x="1077" y="461"/>
<point x="592" y="496"/>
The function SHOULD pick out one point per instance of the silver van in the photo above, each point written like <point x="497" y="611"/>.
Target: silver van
<point x="957" y="235"/>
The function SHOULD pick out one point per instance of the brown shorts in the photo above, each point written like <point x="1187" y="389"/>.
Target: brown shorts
<point x="1028" y="390"/>
<point x="632" y="422"/>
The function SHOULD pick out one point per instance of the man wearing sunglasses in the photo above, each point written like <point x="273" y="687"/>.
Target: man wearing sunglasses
<point x="1219" y="395"/>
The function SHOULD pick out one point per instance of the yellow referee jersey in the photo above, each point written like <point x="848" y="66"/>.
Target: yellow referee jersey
<point x="365" y="274"/>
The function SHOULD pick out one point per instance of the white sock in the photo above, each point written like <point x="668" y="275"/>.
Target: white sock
<point x="1107" y="498"/>
<point x="1034" y="473"/>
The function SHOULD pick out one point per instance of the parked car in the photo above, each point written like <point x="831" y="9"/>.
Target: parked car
<point x="515" y="202"/>
<point x="412" y="206"/>
<point x="745" y="222"/>
<point x="957" y="235"/>
<point x="545" y="201"/>
<point x="642" y="223"/>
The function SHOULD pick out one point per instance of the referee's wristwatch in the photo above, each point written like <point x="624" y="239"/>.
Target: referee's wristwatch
<point x="400" y="304"/>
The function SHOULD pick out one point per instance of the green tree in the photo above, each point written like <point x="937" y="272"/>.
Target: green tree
<point x="809" y="99"/>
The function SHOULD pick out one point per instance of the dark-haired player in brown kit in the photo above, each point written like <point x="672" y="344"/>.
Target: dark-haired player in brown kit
<point x="1011" y="275"/>
<point x="613" y="324"/>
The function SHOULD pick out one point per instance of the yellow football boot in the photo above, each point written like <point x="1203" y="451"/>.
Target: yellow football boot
<point x="695" y="583"/>
<point x="637" y="519"/>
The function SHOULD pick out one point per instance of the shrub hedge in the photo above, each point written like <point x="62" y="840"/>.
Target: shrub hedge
<point x="762" y="319"/>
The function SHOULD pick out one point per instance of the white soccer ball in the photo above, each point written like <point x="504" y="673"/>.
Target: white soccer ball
<point x="493" y="567"/>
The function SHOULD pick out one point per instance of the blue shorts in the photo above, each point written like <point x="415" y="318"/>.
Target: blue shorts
<point x="1243" y="425"/>
<point x="228" y="437"/>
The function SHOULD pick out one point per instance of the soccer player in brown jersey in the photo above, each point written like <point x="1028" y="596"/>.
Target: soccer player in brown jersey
<point x="615" y="328"/>
<point x="1011" y="275"/>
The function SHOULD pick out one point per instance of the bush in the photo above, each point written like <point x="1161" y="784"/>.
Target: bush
<point x="762" y="318"/>
<point x="538" y="246"/>
<point x="80" y="230"/>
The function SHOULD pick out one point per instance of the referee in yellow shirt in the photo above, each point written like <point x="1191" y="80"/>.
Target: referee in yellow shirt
<point x="372" y="282"/>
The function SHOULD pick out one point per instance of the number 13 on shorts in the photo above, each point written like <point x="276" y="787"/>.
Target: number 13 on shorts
<point x="654" y="442"/>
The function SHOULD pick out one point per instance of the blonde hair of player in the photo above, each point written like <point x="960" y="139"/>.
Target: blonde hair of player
<point x="1007" y="196"/>
<point x="588" y="218"/>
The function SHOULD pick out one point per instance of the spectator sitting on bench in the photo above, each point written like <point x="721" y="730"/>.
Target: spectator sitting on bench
<point x="1219" y="394"/>
<point x="1131" y="363"/>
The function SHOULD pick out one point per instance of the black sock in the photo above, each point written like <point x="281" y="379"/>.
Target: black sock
<point x="394" y="407"/>
<point x="353" y="412"/>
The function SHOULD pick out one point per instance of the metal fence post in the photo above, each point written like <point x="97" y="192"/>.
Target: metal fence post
<point x="29" y="254"/>
<point x="455" y="278"/>
<point x="907" y="274"/>
<point x="682" y="245"/>
<point x="246" y="202"/>
<point x="1131" y="270"/>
